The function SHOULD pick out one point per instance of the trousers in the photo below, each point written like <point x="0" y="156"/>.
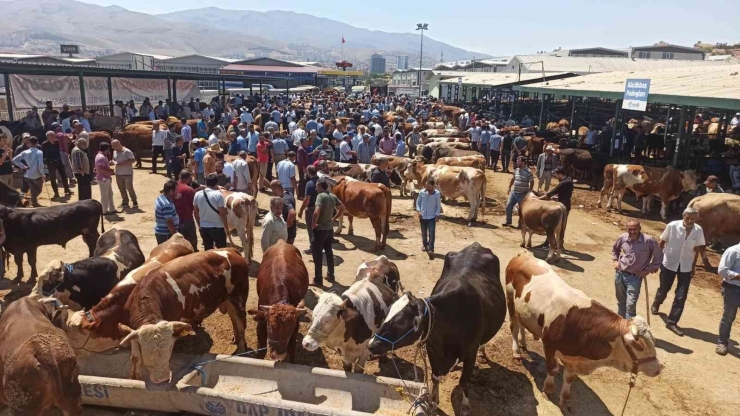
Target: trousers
<point x="106" y="195"/>
<point x="505" y="158"/>
<point x="667" y="277"/>
<point x="494" y="158"/>
<point x="322" y="240"/>
<point x="156" y="152"/>
<point x="187" y="229"/>
<point x="545" y="179"/>
<point x="731" y="295"/>
<point x="84" y="187"/>
<point x="34" y="185"/>
<point x="428" y="228"/>
<point x="57" y="169"/>
<point x="309" y="215"/>
<point x="514" y="198"/>
<point x="627" y="287"/>
<point x="126" y="188"/>
<point x="213" y="236"/>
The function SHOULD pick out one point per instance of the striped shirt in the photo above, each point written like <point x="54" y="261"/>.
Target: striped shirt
<point x="164" y="209"/>
<point x="522" y="178"/>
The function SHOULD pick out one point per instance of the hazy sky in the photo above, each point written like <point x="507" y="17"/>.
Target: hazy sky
<point x="504" y="28"/>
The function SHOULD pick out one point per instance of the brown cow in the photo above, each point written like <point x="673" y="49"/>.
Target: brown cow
<point x="398" y="165"/>
<point x="576" y="330"/>
<point x="136" y="137"/>
<point x="474" y="161"/>
<point x="446" y="151"/>
<point x="550" y="218"/>
<point x="282" y="283"/>
<point x="365" y="200"/>
<point x="38" y="368"/>
<point x="170" y="300"/>
<point x="606" y="189"/>
<point x="667" y="184"/>
<point x="718" y="217"/>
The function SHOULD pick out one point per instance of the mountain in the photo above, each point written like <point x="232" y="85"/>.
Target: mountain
<point x="39" y="26"/>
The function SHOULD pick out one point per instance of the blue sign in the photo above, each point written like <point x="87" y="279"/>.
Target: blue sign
<point x="636" y="94"/>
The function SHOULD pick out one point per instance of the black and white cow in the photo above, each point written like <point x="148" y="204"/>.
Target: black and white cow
<point x="466" y="309"/>
<point x="347" y="322"/>
<point x="82" y="284"/>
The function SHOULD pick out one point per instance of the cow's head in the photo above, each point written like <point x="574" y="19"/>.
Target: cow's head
<point x="382" y="268"/>
<point x="282" y="322"/>
<point x="639" y="339"/>
<point x="327" y="318"/>
<point x="402" y="325"/>
<point x="688" y="180"/>
<point x="151" y="346"/>
<point x="80" y="332"/>
<point x="52" y="274"/>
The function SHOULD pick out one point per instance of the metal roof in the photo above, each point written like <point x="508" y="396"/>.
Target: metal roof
<point x="497" y="79"/>
<point x="585" y="65"/>
<point x="707" y="86"/>
<point x="271" y="68"/>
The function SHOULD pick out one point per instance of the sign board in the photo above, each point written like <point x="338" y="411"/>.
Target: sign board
<point x="459" y="80"/>
<point x="339" y="72"/>
<point x="636" y="94"/>
<point x="411" y="92"/>
<point x="35" y="90"/>
<point x="70" y="49"/>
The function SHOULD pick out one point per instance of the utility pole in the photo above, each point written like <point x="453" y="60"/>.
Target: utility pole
<point x="422" y="27"/>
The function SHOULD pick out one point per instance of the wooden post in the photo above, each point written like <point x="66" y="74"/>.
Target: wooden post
<point x="8" y="98"/>
<point x="110" y="95"/>
<point x="82" y="92"/>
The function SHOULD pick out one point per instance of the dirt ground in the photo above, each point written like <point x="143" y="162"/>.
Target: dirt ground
<point x="695" y="380"/>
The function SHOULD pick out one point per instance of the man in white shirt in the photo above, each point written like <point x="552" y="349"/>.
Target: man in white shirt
<point x="209" y="210"/>
<point x="242" y="177"/>
<point x="246" y="116"/>
<point x="213" y="138"/>
<point x="297" y="135"/>
<point x="681" y="242"/>
<point x="735" y="120"/>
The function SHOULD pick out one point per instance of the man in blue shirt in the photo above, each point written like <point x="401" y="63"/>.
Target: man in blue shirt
<point x="31" y="162"/>
<point x="165" y="215"/>
<point x="485" y="138"/>
<point x="729" y="270"/>
<point x="198" y="155"/>
<point x="494" y="147"/>
<point x="312" y="124"/>
<point x="252" y="139"/>
<point x="279" y="148"/>
<point x="429" y="206"/>
<point x="400" y="145"/>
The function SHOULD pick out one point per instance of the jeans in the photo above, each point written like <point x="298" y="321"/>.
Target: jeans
<point x="156" y="152"/>
<point x="34" y="185"/>
<point x="484" y="151"/>
<point x="505" y="158"/>
<point x="474" y="146"/>
<point x="57" y="168"/>
<point x="427" y="232"/>
<point x="201" y="179"/>
<point x="213" y="236"/>
<point x="544" y="179"/>
<point x="731" y="294"/>
<point x="106" y="194"/>
<point x="514" y="198"/>
<point x="309" y="215"/>
<point x="322" y="244"/>
<point x="187" y="229"/>
<point x="126" y="188"/>
<point x="682" y="290"/>
<point x="628" y="291"/>
<point x="494" y="154"/>
<point x="84" y="188"/>
<point x="167" y="161"/>
<point x="161" y="238"/>
<point x="301" y="183"/>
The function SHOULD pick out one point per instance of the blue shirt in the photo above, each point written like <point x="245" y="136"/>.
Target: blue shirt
<point x="485" y="137"/>
<point x="276" y="116"/>
<point x="86" y="124"/>
<point x="400" y="148"/>
<point x="280" y="147"/>
<point x="187" y="133"/>
<point x="34" y="159"/>
<point x="164" y="209"/>
<point x="253" y="138"/>
<point x="312" y="125"/>
<point x="202" y="129"/>
<point x="234" y="148"/>
<point x="285" y="170"/>
<point x="242" y="143"/>
<point x="429" y="205"/>
<point x="496" y="142"/>
<point x="321" y="130"/>
<point x="198" y="156"/>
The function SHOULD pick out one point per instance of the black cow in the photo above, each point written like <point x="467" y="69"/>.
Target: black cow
<point x="11" y="197"/>
<point x="581" y="163"/>
<point x="82" y="284"/>
<point x="28" y="229"/>
<point x="466" y="309"/>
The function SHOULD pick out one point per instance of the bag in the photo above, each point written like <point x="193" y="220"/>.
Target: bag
<point x="205" y="196"/>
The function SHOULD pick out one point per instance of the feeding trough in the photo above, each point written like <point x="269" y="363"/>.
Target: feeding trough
<point x="227" y="385"/>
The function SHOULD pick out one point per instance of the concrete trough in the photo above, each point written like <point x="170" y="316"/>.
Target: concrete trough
<point x="229" y="385"/>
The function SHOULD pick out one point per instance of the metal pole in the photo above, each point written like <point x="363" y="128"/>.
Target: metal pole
<point x="542" y="110"/>
<point x="572" y="116"/>
<point x="421" y="55"/>
<point x="614" y="128"/>
<point x="728" y="116"/>
<point x="82" y="92"/>
<point x="8" y="99"/>
<point x="174" y="92"/>
<point x="681" y="131"/>
<point x="169" y="89"/>
<point x="667" y="121"/>
<point x="110" y="95"/>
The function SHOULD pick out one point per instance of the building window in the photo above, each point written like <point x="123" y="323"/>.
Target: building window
<point x="668" y="55"/>
<point x="643" y="55"/>
<point x="475" y="93"/>
<point x="465" y="93"/>
<point x="457" y="92"/>
<point x="449" y="92"/>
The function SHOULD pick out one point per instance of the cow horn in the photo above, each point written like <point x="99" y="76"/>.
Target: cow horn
<point x="634" y="330"/>
<point x="132" y="335"/>
<point x="265" y="307"/>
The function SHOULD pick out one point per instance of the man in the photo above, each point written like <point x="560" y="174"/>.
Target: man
<point x="400" y="145"/>
<point x="224" y="181"/>
<point x="303" y="159"/>
<point x="506" y="144"/>
<point x="546" y="163"/>
<point x="242" y="177"/>
<point x="519" y="146"/>
<point x="386" y="145"/>
<point x="527" y="122"/>
<point x="104" y="177"/>
<point x="563" y="191"/>
<point x="202" y="128"/>
<point x="474" y="134"/>
<point x="279" y="148"/>
<point x="495" y="150"/>
<point x="234" y="145"/>
<point x="31" y="163"/>
<point x="286" y="173"/>
<point x="321" y="222"/>
<point x="413" y="139"/>
<point x="158" y="133"/>
<point x="197" y="163"/>
<point x="522" y="182"/>
<point x="213" y="138"/>
<point x="365" y="149"/>
<point x="32" y="120"/>
<point x="325" y="150"/>
<point x="729" y="269"/>
<point x="165" y="214"/>
<point x="183" y="201"/>
<point x="253" y="139"/>
<point x="635" y="256"/>
<point x="309" y="203"/>
<point x="681" y="242"/>
<point x="428" y="207"/>
<point x="161" y="111"/>
<point x="187" y="133"/>
<point x="274" y="227"/>
<point x="210" y="214"/>
<point x="263" y="155"/>
<point x="346" y="154"/>
<point x="297" y="135"/>
<point x="378" y="173"/>
<point x="209" y="159"/>
<point x="53" y="160"/>
<point x="47" y="116"/>
<point x="246" y="117"/>
<point x="124" y="159"/>
<point x="591" y="135"/>
<point x="712" y="185"/>
<point x="81" y="169"/>
<point x="6" y="163"/>
<point x="289" y="214"/>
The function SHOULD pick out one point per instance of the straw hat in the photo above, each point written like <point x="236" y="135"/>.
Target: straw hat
<point x="214" y="148"/>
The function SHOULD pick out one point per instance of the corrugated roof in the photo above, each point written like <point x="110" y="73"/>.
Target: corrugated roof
<point x="715" y="86"/>
<point x="493" y="79"/>
<point x="587" y="65"/>
<point x="270" y="68"/>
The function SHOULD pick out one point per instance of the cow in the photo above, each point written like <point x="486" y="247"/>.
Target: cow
<point x="359" y="171"/>
<point x="172" y="299"/>
<point x="440" y="133"/>
<point x="38" y="369"/>
<point x="398" y="165"/>
<point x="576" y="330"/>
<point x="580" y="163"/>
<point x="254" y="173"/>
<point x="346" y="323"/>
<point x="718" y="214"/>
<point x="474" y="161"/>
<point x="365" y="200"/>
<point x="550" y="218"/>
<point x="454" y="182"/>
<point x="445" y="151"/>
<point x="667" y="184"/>
<point x="606" y="188"/>
<point x="464" y="312"/>
<point x="241" y="214"/>
<point x="81" y="285"/>
<point x="282" y="283"/>
<point x="96" y="329"/>
<point x="426" y="151"/>
<point x="27" y="229"/>
<point x="12" y="198"/>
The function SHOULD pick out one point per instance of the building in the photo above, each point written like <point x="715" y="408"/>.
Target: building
<point x="46" y="59"/>
<point x="284" y="74"/>
<point x="475" y="65"/>
<point x="667" y="51"/>
<point x="131" y="60"/>
<point x="377" y="64"/>
<point x="548" y="63"/>
<point x="405" y="80"/>
<point x="199" y="64"/>
<point x="597" y="52"/>
<point x="402" y="62"/>
<point x="470" y="87"/>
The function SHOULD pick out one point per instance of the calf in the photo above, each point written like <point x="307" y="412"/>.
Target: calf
<point x="550" y="218"/>
<point x="282" y="283"/>
<point x="346" y="323"/>
<point x="182" y="293"/>
<point x="474" y="161"/>
<point x="466" y="309"/>
<point x="579" y="332"/>
<point x="38" y="369"/>
<point x="365" y="200"/>
<point x="96" y="329"/>
<point x="241" y="214"/>
<point x="718" y="217"/>
<point x="28" y="229"/>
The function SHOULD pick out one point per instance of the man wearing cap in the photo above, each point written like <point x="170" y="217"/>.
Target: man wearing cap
<point x="521" y="183"/>
<point x="712" y="185"/>
<point x="31" y="162"/>
<point x="546" y="163"/>
<point x="246" y="117"/>
<point x="681" y="242"/>
<point x="53" y="160"/>
<point x="31" y="119"/>
<point x="209" y="160"/>
<point x="324" y="150"/>
<point x="210" y="214"/>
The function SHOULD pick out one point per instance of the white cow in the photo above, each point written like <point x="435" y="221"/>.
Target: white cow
<point x="241" y="213"/>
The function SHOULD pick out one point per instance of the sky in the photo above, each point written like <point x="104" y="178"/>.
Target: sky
<point x="507" y="28"/>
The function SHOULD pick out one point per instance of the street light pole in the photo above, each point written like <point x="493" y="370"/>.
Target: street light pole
<point x="422" y="27"/>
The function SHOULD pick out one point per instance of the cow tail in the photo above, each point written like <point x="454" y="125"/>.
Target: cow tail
<point x="564" y="223"/>
<point x="483" y="197"/>
<point x="102" y="222"/>
<point x="388" y="207"/>
<point x="250" y="226"/>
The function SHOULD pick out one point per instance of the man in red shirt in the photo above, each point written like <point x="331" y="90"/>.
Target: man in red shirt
<point x="263" y="154"/>
<point x="183" y="200"/>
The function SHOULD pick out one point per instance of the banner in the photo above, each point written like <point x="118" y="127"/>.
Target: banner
<point x="636" y="94"/>
<point x="34" y="90"/>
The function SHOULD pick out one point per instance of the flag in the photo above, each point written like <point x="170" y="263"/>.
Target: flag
<point x="343" y="41"/>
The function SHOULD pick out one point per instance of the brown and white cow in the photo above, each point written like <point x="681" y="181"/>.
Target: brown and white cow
<point x="97" y="330"/>
<point x="454" y="182"/>
<point x="171" y="300"/>
<point x="667" y="184"/>
<point x="241" y="214"/>
<point x="473" y="161"/>
<point x="446" y="151"/>
<point x="365" y="200"/>
<point x="398" y="165"/>
<point x="38" y="369"/>
<point x="606" y="189"/>
<point x="346" y="323"/>
<point x="576" y="330"/>
<point x="359" y="171"/>
<point x="718" y="217"/>
<point x="543" y="217"/>
<point x="282" y="283"/>
<point x="254" y="173"/>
